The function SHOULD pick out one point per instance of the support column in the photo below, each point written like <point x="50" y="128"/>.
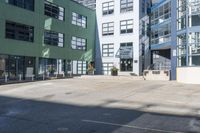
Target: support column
<point x="36" y="67"/>
<point x="173" y="39"/>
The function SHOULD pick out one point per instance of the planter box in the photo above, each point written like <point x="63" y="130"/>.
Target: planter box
<point x="114" y="73"/>
<point x="90" y="72"/>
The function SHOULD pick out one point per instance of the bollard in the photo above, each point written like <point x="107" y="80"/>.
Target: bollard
<point x="32" y="77"/>
<point x="6" y="78"/>
<point x="43" y="77"/>
<point x="47" y="75"/>
<point x="20" y="77"/>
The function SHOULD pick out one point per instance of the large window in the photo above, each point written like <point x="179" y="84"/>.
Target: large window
<point x="26" y="4"/>
<point x="19" y="31"/>
<point x="106" y="68"/>
<point x="126" y="26"/>
<point x="54" y="11"/>
<point x="53" y="38"/>
<point x="189" y="51"/>
<point x="16" y="66"/>
<point x="51" y="67"/>
<point x="108" y="29"/>
<point x="78" y="43"/>
<point x="108" y="50"/>
<point x="161" y="14"/>
<point x="161" y="34"/>
<point x="126" y="5"/>
<point x="79" y="67"/>
<point x="108" y="8"/>
<point x="79" y="20"/>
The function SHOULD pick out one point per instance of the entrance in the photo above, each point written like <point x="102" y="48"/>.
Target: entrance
<point x="126" y="57"/>
<point x="126" y="65"/>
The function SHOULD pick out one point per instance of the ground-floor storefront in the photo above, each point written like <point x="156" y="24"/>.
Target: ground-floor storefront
<point x="15" y="68"/>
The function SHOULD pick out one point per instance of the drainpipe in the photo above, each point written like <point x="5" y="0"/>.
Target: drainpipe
<point x="187" y="33"/>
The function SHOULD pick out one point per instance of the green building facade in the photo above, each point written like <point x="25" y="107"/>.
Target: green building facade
<point x="40" y="37"/>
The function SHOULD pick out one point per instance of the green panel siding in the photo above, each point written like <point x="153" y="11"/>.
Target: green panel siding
<point x="41" y="22"/>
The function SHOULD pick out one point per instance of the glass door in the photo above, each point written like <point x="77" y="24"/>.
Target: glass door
<point x="126" y="65"/>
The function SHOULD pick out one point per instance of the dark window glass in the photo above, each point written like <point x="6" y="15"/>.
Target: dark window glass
<point x="26" y="4"/>
<point x="19" y="31"/>
<point x="54" y="11"/>
<point x="53" y="38"/>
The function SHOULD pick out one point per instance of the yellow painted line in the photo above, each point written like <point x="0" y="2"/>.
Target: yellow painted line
<point x="129" y="126"/>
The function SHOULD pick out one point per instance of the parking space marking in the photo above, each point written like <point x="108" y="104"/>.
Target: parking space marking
<point x="130" y="126"/>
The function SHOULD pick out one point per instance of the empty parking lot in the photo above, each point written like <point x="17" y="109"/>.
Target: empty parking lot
<point x="100" y="104"/>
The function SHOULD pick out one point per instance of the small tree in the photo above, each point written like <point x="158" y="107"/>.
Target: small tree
<point x="90" y="69"/>
<point x="114" y="71"/>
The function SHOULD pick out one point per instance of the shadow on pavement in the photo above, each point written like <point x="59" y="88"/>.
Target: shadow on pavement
<point x="30" y="116"/>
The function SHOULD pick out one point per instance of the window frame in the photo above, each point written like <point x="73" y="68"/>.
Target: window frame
<point x="23" y="4"/>
<point x="79" y="20"/>
<point x="109" y="8"/>
<point x="128" y="6"/>
<point x="106" y="30"/>
<point x="126" y="30"/>
<point x="52" y="41"/>
<point x="108" y="66"/>
<point x="108" y="51"/>
<point x="79" y="47"/>
<point x="54" y="7"/>
<point x="19" y="31"/>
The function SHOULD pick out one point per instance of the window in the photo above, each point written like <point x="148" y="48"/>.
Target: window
<point x="79" y="20"/>
<point x="53" y="38"/>
<point x="107" y="68"/>
<point x="19" y="31"/>
<point x="189" y="49"/>
<point x="108" y="29"/>
<point x="52" y="67"/>
<point x="81" y="67"/>
<point x="108" y="8"/>
<point x="126" y="26"/>
<point x="26" y="4"/>
<point x="78" y="43"/>
<point x="108" y="50"/>
<point x="54" y="11"/>
<point x="14" y="66"/>
<point x="161" y="14"/>
<point x="126" y="5"/>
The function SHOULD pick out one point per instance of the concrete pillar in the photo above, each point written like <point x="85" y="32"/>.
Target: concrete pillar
<point x="36" y="67"/>
<point x="173" y="39"/>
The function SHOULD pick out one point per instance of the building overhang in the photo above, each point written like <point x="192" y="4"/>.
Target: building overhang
<point x="161" y="46"/>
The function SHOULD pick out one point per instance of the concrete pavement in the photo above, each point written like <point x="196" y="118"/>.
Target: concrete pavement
<point x="100" y="104"/>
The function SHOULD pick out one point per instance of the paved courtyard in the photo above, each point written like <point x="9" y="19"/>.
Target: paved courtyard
<point x="100" y="104"/>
